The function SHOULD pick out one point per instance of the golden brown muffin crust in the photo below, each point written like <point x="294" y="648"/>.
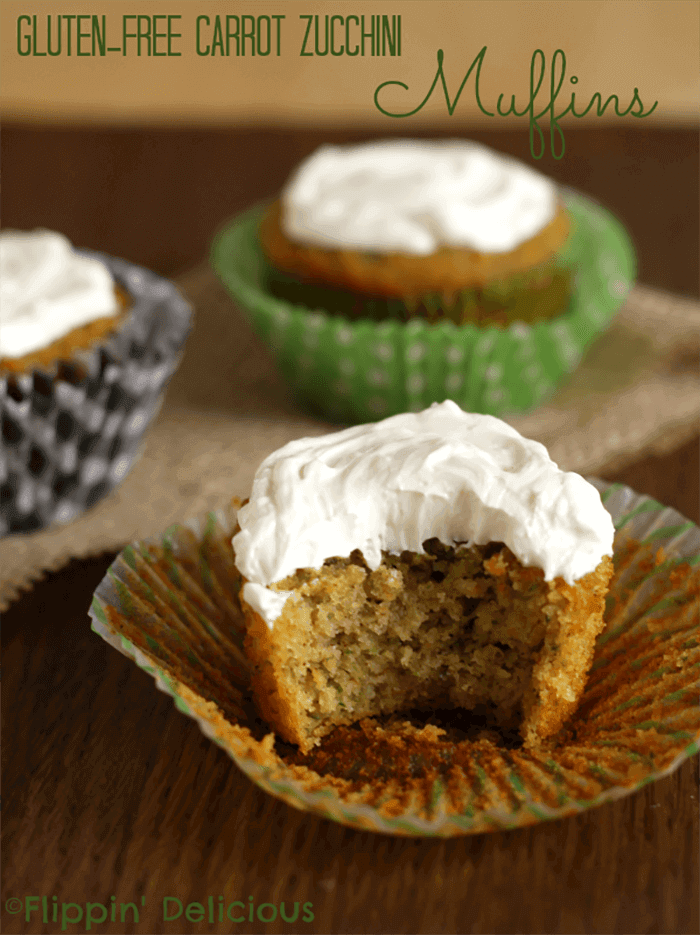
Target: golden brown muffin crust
<point x="446" y="271"/>
<point x="65" y="348"/>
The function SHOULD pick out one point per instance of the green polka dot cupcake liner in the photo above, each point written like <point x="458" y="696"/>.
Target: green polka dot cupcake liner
<point x="171" y="605"/>
<point x="541" y="292"/>
<point x="362" y="370"/>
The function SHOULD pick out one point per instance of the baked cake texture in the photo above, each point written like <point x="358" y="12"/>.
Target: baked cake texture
<point x="408" y="620"/>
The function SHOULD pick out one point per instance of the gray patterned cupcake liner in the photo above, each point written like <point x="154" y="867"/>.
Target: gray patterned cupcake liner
<point x="171" y="605"/>
<point x="71" y="432"/>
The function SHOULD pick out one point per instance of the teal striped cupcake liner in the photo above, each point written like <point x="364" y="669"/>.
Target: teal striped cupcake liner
<point x="171" y="605"/>
<point x="364" y="370"/>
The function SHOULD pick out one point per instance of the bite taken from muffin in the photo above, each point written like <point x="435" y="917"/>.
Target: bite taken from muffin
<point x="433" y="560"/>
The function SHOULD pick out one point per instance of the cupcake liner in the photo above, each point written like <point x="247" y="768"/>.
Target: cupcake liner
<point x="171" y="605"/>
<point x="70" y="433"/>
<point x="365" y="370"/>
<point x="542" y="292"/>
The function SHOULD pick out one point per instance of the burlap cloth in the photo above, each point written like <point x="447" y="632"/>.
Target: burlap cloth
<point x="636" y="392"/>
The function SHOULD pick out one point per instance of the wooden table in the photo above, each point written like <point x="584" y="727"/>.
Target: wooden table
<point x="110" y="792"/>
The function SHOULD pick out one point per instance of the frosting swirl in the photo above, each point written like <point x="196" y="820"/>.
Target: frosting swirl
<point x="413" y="197"/>
<point x="47" y="289"/>
<point x="391" y="485"/>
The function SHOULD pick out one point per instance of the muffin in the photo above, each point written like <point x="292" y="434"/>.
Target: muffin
<point x="433" y="560"/>
<point x="436" y="229"/>
<point x="55" y="302"/>
<point x="87" y="345"/>
<point x="171" y="604"/>
<point x="392" y="275"/>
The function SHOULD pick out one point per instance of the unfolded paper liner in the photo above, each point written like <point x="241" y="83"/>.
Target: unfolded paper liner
<point x="365" y="370"/>
<point x="171" y="605"/>
<point x="71" y="431"/>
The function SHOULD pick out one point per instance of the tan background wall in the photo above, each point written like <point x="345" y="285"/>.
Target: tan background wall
<point x="611" y="46"/>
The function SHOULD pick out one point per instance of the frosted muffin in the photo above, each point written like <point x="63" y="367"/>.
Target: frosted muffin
<point x="373" y="303"/>
<point x="87" y="344"/>
<point x="55" y="302"/>
<point x="405" y="228"/>
<point x="431" y="560"/>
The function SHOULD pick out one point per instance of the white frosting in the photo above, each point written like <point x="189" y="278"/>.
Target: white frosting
<point x="47" y="290"/>
<point x="413" y="197"/>
<point x="444" y="473"/>
<point x="269" y="604"/>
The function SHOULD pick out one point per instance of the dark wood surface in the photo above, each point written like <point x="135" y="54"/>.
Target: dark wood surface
<point x="155" y="196"/>
<point x="110" y="791"/>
